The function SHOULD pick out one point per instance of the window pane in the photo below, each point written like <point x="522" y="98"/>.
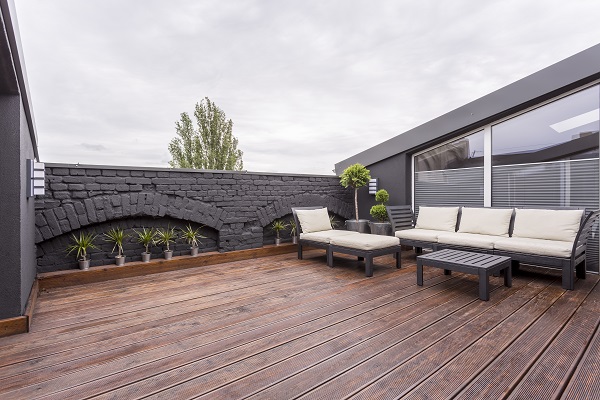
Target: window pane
<point x="466" y="152"/>
<point x="566" y="129"/>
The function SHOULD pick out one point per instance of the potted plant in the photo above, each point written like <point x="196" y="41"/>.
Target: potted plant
<point x="191" y="236"/>
<point x="293" y="231"/>
<point x="116" y="236"/>
<point x="379" y="213"/>
<point x="278" y="226"/>
<point x="146" y="237"/>
<point x="334" y="222"/>
<point x="356" y="176"/>
<point x="166" y="236"/>
<point x="81" y="245"/>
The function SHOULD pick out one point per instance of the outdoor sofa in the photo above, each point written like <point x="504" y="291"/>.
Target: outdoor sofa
<point x="315" y="230"/>
<point x="554" y="238"/>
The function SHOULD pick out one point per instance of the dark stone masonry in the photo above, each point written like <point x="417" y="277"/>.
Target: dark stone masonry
<point x="233" y="209"/>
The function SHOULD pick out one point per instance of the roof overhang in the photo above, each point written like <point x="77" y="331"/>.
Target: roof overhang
<point x="566" y="75"/>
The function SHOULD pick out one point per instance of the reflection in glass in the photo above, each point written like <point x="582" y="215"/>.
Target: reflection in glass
<point x="466" y="152"/>
<point x="566" y="129"/>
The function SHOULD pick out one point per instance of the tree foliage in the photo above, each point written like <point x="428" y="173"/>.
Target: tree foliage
<point x="211" y="145"/>
<point x="355" y="176"/>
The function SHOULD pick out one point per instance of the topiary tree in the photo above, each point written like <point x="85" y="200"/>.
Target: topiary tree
<point x="355" y="176"/>
<point x="378" y="211"/>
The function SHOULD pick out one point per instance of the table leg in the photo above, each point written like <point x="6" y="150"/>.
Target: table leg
<point x="484" y="286"/>
<point x="508" y="276"/>
<point x="419" y="273"/>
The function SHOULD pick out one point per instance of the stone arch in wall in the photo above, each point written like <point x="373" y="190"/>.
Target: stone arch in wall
<point x="282" y="207"/>
<point x="73" y="216"/>
<point x="52" y="256"/>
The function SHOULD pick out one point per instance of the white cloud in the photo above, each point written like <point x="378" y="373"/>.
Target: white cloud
<point x="307" y="84"/>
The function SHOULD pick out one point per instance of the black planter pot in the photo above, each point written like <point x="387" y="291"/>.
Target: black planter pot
<point x="381" y="228"/>
<point x="362" y="225"/>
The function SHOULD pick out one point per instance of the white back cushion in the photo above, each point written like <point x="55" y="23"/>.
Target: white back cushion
<point x="547" y="224"/>
<point x="437" y="218"/>
<point x="485" y="221"/>
<point x="314" y="220"/>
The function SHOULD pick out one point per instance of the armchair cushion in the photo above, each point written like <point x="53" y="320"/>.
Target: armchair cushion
<point x="314" y="220"/>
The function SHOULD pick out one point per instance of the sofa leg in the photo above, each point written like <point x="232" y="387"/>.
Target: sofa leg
<point x="329" y="257"/>
<point x="418" y="250"/>
<point x="568" y="278"/>
<point x="299" y="251"/>
<point x="580" y="270"/>
<point x="398" y="260"/>
<point x="515" y="265"/>
<point x="369" y="266"/>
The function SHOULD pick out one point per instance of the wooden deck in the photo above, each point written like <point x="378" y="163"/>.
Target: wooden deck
<point x="279" y="328"/>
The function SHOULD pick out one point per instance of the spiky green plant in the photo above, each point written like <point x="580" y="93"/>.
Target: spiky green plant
<point x="166" y="236"/>
<point x="192" y="235"/>
<point x="334" y="222"/>
<point x="116" y="236"/>
<point x="146" y="237"/>
<point x="82" y="244"/>
<point x="293" y="228"/>
<point x="277" y="226"/>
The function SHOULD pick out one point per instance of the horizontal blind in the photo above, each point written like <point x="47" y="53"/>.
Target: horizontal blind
<point x="450" y="187"/>
<point x="551" y="184"/>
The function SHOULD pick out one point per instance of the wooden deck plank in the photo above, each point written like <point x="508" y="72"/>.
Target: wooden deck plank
<point x="330" y="333"/>
<point x="286" y="328"/>
<point x="191" y="345"/>
<point x="489" y="367"/>
<point x="548" y="377"/>
<point x="405" y="362"/>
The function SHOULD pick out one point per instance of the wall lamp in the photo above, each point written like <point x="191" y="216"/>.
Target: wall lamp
<point x="35" y="178"/>
<point x="373" y="185"/>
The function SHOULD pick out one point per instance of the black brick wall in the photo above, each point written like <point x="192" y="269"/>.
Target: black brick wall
<point x="235" y="208"/>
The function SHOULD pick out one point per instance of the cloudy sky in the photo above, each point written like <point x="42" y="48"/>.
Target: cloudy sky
<point x="306" y="83"/>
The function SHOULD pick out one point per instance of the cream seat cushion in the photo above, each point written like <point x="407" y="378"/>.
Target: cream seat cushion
<point x="365" y="241"/>
<point x="468" y="240"/>
<point x="437" y="218"/>
<point x="561" y="225"/>
<point x="485" y="221"/>
<point x="542" y="247"/>
<point x="325" y="236"/>
<point x="424" y="235"/>
<point x="314" y="220"/>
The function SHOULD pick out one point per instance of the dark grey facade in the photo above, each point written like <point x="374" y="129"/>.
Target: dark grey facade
<point x="233" y="208"/>
<point x="19" y="143"/>
<point x="391" y="161"/>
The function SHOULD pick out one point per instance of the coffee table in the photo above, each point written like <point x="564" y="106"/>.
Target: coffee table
<point x="468" y="262"/>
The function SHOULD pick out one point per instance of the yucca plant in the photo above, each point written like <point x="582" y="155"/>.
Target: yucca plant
<point x="116" y="236"/>
<point x="334" y="223"/>
<point x="278" y="226"/>
<point x="191" y="235"/>
<point x="81" y="244"/>
<point x="166" y="236"/>
<point x="146" y="237"/>
<point x="293" y="231"/>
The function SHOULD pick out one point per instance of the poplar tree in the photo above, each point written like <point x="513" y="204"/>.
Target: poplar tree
<point x="209" y="145"/>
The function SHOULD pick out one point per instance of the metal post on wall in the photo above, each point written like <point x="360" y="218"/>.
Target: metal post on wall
<point x="35" y="178"/>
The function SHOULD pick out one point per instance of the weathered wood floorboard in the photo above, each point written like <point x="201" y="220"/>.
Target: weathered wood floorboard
<point x="278" y="327"/>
